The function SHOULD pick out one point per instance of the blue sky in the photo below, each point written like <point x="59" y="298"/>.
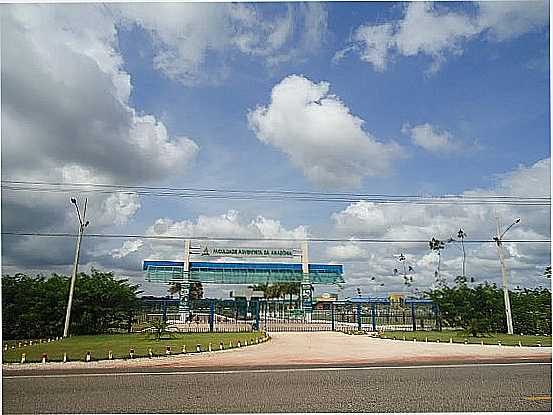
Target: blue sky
<point x="451" y="96"/>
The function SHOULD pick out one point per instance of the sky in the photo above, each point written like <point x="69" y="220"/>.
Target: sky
<point x="416" y="98"/>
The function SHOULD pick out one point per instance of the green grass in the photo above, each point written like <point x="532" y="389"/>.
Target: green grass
<point x="460" y="337"/>
<point x="76" y="347"/>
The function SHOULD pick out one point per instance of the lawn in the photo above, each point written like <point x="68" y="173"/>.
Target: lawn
<point x="460" y="337"/>
<point x="99" y="346"/>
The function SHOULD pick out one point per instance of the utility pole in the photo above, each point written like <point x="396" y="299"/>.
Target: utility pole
<point x="82" y="226"/>
<point x="498" y="240"/>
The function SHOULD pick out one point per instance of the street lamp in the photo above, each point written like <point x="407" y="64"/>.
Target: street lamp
<point x="82" y="226"/>
<point x="498" y="240"/>
<point x="461" y="235"/>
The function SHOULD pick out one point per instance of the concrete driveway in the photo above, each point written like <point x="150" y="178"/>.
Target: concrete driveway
<point x="320" y="349"/>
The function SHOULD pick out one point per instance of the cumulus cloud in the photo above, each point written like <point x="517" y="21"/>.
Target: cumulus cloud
<point x="317" y="131"/>
<point x="66" y="118"/>
<point x="432" y="139"/>
<point x="436" y="30"/>
<point x="185" y="34"/>
<point x="230" y="224"/>
<point x="525" y="261"/>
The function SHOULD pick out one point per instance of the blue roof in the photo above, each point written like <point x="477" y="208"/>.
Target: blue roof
<point x="317" y="268"/>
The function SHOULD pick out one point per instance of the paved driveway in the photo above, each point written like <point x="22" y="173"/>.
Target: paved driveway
<point x="322" y="348"/>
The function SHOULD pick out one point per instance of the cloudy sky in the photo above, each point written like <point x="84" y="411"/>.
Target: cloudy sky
<point x="366" y="97"/>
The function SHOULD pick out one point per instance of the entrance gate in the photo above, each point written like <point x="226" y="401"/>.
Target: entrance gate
<point x="368" y="314"/>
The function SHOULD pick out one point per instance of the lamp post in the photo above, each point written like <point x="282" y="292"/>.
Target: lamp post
<point x="82" y="226"/>
<point x="498" y="240"/>
<point x="461" y="234"/>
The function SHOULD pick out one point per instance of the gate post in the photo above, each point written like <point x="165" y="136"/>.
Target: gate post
<point x="413" y="318"/>
<point x="184" y="294"/>
<point x="305" y="287"/>
<point x="359" y="316"/>
<point x="373" y="316"/>
<point x="257" y="315"/>
<point x="211" y="315"/>
<point x="332" y="307"/>
<point x="164" y="310"/>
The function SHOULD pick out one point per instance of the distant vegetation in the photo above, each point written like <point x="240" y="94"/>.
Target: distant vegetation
<point x="481" y="309"/>
<point x="34" y="307"/>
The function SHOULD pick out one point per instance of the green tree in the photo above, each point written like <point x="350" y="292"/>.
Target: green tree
<point x="34" y="307"/>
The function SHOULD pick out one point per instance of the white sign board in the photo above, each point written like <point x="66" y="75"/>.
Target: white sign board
<point x="241" y="252"/>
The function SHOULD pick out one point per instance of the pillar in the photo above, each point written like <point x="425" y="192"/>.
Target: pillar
<point x="257" y="315"/>
<point x="211" y="315"/>
<point x="373" y="316"/>
<point x="184" y="294"/>
<point x="413" y="317"/>
<point x="332" y="313"/>
<point x="359" y="327"/>
<point x="305" y="290"/>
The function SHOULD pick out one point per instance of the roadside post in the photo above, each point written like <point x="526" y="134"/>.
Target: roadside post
<point x="332" y="311"/>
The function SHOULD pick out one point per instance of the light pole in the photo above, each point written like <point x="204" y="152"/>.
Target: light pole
<point x="498" y="240"/>
<point x="461" y="234"/>
<point x="82" y="226"/>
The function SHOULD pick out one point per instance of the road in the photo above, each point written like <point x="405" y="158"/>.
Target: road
<point x="444" y="388"/>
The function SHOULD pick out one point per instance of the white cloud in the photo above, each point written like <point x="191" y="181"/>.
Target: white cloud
<point x="66" y="117"/>
<point x="431" y="139"/>
<point x="423" y="222"/>
<point x="230" y="224"/>
<point x="127" y="248"/>
<point x="436" y="30"/>
<point x="320" y="135"/>
<point x="184" y="34"/>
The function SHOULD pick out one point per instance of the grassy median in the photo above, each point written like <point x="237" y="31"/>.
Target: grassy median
<point x="120" y="345"/>
<point x="461" y="337"/>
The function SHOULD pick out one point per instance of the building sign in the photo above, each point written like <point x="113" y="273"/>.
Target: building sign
<point x="248" y="252"/>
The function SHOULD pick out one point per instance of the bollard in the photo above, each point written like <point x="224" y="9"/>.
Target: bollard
<point x="257" y="340"/>
<point x="168" y="350"/>
<point x="44" y="357"/>
<point x="131" y="353"/>
<point x="414" y="340"/>
<point x="64" y="357"/>
<point x="466" y="341"/>
<point x="230" y="344"/>
<point x="437" y="340"/>
<point x="499" y="343"/>
<point x="13" y="346"/>
<point x="239" y="345"/>
<point x="481" y="342"/>
<point x="394" y="337"/>
<point x="426" y="339"/>
<point x="519" y="343"/>
<point x="450" y="340"/>
<point x="19" y="344"/>
<point x="88" y="358"/>
<point x="245" y="342"/>
<point x="184" y="348"/>
<point x="209" y="347"/>
<point x="404" y="337"/>
<point x="31" y="343"/>
<point x="48" y="340"/>
<point x="6" y="347"/>
<point x="150" y="354"/>
<point x="221" y="346"/>
<point x="24" y="343"/>
<point x="23" y="357"/>
<point x="539" y="344"/>
<point x="198" y="348"/>
<point x="110" y="355"/>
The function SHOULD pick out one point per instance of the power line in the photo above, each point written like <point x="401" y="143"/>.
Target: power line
<point x="209" y="238"/>
<point x="271" y="195"/>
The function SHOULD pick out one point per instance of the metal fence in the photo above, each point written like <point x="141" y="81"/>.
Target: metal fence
<point x="280" y="316"/>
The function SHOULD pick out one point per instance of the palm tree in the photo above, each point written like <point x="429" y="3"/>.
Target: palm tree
<point x="437" y="245"/>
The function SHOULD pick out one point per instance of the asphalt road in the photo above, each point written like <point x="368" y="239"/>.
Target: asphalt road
<point x="445" y="388"/>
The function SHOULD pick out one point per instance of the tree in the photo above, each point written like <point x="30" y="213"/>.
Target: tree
<point x="437" y="245"/>
<point x="196" y="290"/>
<point x="34" y="307"/>
<point x="547" y="272"/>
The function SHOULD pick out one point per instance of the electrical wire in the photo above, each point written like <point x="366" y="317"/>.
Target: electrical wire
<point x="210" y="238"/>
